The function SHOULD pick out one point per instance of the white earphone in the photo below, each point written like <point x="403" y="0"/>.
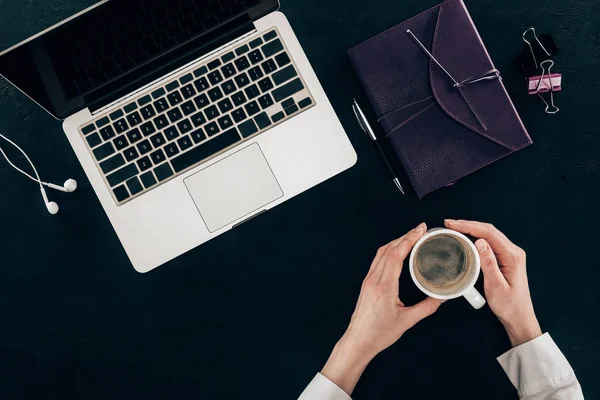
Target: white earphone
<point x="69" y="186"/>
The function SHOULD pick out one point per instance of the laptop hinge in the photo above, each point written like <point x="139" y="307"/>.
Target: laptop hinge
<point x="189" y="59"/>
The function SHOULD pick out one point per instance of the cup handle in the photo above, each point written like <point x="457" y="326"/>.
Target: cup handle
<point x="476" y="299"/>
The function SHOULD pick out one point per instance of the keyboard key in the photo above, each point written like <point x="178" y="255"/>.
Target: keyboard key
<point x="112" y="163"/>
<point x="147" y="128"/>
<point x="214" y="64"/>
<point x="163" y="172"/>
<point x="201" y="101"/>
<point x="272" y="47"/>
<point x="305" y="102"/>
<point x="186" y="79"/>
<point x="184" y="126"/>
<point x="255" y="73"/>
<point x="287" y="90"/>
<point x="86" y="130"/>
<point x="144" y="100"/>
<point x="144" y="163"/>
<point x="265" y="101"/>
<point x="121" y="175"/>
<point x="228" y="87"/>
<point x="184" y="143"/>
<point x="134" y="135"/>
<point x="262" y="120"/>
<point x="107" y="133"/>
<point x="228" y="57"/>
<point x="241" y="50"/>
<point x="171" y="133"/>
<point x="134" y="118"/>
<point x="198" y="135"/>
<point x="148" y="179"/>
<point x="121" y="126"/>
<point x="172" y="86"/>
<point x="104" y="151"/>
<point x="94" y="140"/>
<point x="121" y="193"/>
<point x="157" y="156"/>
<point x="161" y="122"/>
<point x="242" y="80"/>
<point x="102" y="121"/>
<point x="255" y="43"/>
<point x="116" y="115"/>
<point x="211" y="112"/>
<point x="242" y="63"/>
<point x="134" y="186"/>
<point x="158" y="93"/>
<point x="269" y="66"/>
<point x="188" y="91"/>
<point x="225" y="106"/>
<point x="255" y="56"/>
<point x="188" y="107"/>
<point x="201" y="84"/>
<point x="174" y="98"/>
<point x="284" y="75"/>
<point x="171" y="149"/>
<point x="252" y="108"/>
<point x="215" y="77"/>
<point x="252" y="92"/>
<point x="147" y="112"/>
<point x="161" y="105"/>
<point x="120" y="142"/>
<point x="212" y="129"/>
<point x="174" y="115"/>
<point x="287" y="103"/>
<point x="270" y="35"/>
<point x="247" y="128"/>
<point x="200" y="71"/>
<point x="228" y="70"/>
<point x="278" y="117"/>
<point x="130" y="107"/>
<point x="238" y="98"/>
<point x="157" y="140"/>
<point x="225" y="122"/>
<point x="239" y="115"/>
<point x="291" y="110"/>
<point x="144" y="147"/>
<point x="282" y="59"/>
<point x="205" y="150"/>
<point x="198" y="119"/>
<point x="215" y="94"/>
<point x="265" y="84"/>
<point x="130" y="154"/>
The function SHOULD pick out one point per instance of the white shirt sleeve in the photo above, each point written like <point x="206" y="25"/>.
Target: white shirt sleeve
<point x="539" y="370"/>
<point x="322" y="388"/>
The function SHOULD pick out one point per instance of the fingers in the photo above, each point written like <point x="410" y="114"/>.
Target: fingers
<point x="422" y="310"/>
<point x="396" y="254"/>
<point x="504" y="249"/>
<point x="489" y="264"/>
<point x="376" y="265"/>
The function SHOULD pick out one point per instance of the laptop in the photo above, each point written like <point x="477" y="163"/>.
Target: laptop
<point x="189" y="117"/>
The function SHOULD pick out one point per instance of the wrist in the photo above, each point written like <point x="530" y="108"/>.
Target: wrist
<point x="346" y="364"/>
<point x="523" y="332"/>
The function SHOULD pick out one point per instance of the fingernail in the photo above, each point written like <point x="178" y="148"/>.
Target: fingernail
<point x="420" y="228"/>
<point x="450" y="221"/>
<point x="481" y="246"/>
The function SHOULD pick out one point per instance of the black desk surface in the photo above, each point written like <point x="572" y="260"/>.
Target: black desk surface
<point x="255" y="313"/>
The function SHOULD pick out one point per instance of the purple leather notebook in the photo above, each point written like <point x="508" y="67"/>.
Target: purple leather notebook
<point x="442" y="122"/>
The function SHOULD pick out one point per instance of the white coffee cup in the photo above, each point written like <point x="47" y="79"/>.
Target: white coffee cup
<point x="467" y="289"/>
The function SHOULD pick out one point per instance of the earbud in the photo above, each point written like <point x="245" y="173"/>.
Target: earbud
<point x="50" y="205"/>
<point x="69" y="186"/>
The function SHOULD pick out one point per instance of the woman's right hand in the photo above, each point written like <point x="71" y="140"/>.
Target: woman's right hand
<point x="505" y="279"/>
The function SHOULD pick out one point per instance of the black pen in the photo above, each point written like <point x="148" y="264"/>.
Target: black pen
<point x="364" y="124"/>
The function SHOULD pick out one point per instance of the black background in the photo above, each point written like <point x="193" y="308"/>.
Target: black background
<point x="255" y="312"/>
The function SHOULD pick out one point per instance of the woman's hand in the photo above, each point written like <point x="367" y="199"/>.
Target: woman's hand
<point x="380" y="318"/>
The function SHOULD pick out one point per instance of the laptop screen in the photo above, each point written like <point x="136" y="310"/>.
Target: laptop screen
<point x="119" y="45"/>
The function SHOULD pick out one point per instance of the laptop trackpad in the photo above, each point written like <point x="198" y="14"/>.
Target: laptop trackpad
<point x="233" y="187"/>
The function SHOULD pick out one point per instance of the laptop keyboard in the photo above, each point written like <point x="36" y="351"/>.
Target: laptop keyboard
<point x="201" y="113"/>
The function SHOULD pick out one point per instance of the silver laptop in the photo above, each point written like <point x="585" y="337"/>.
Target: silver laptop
<point x="189" y="117"/>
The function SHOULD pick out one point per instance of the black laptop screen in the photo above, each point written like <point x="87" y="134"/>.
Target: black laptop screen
<point x="119" y="45"/>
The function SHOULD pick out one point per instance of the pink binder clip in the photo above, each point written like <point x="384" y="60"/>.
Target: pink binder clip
<point x="544" y="83"/>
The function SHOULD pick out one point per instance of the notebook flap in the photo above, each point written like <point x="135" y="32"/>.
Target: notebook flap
<point x="459" y="48"/>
